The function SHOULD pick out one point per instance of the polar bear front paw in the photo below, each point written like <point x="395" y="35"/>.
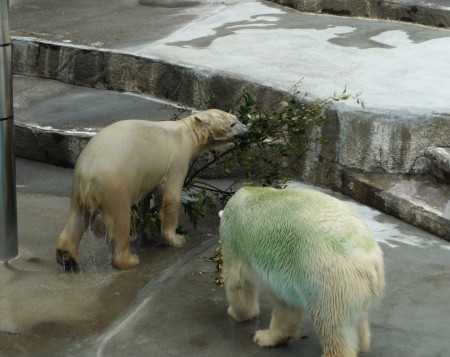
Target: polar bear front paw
<point x="243" y="315"/>
<point x="176" y="240"/>
<point x="268" y="338"/>
<point x="235" y="316"/>
<point x="125" y="260"/>
<point x="67" y="261"/>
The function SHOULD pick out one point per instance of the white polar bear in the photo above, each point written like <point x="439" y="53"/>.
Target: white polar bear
<point x="126" y="161"/>
<point x="313" y="254"/>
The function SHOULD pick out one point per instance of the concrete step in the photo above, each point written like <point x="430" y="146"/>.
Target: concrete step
<point x="430" y="13"/>
<point x="390" y="137"/>
<point x="54" y="122"/>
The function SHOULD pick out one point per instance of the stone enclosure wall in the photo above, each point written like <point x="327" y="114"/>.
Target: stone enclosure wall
<point x="361" y="144"/>
<point x="359" y="141"/>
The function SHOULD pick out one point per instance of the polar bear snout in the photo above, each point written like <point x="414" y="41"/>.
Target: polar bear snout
<point x="238" y="130"/>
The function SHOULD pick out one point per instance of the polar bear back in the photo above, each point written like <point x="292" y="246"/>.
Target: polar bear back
<point x="138" y="154"/>
<point x="312" y="217"/>
<point x="302" y="244"/>
<point x="130" y="144"/>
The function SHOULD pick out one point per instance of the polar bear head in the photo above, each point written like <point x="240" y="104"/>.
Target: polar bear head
<point x="222" y="127"/>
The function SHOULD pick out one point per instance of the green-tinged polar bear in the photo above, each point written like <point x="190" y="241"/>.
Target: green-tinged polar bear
<point x="126" y="161"/>
<point x="312" y="253"/>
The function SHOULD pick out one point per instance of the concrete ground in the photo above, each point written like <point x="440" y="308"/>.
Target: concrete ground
<point x="170" y="306"/>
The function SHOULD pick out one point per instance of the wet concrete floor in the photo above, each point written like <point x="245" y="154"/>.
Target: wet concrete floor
<point x="187" y="315"/>
<point x="170" y="306"/>
<point x="42" y="308"/>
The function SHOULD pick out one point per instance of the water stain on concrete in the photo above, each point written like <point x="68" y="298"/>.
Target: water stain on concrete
<point x="170" y="3"/>
<point x="349" y="32"/>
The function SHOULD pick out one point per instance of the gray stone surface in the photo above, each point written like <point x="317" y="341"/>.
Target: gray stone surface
<point x="416" y="200"/>
<point x="440" y="159"/>
<point x="109" y="23"/>
<point x="375" y="143"/>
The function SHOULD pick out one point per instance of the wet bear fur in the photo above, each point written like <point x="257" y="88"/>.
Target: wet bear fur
<point x="126" y="161"/>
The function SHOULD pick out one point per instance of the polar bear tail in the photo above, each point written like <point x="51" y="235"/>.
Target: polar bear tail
<point x="87" y="197"/>
<point x="381" y="280"/>
<point x="378" y="283"/>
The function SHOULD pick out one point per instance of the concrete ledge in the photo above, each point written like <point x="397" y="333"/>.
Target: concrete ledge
<point x="108" y="69"/>
<point x="362" y="140"/>
<point x="416" y="200"/>
<point x="53" y="146"/>
<point x="359" y="141"/>
<point x="429" y="14"/>
<point x="377" y="142"/>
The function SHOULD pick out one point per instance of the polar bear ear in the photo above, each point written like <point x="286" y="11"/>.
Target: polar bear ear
<point x="202" y="122"/>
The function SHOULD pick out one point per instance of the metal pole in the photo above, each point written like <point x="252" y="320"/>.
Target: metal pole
<point x="8" y="204"/>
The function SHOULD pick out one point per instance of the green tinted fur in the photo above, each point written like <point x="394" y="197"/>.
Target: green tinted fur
<point x="293" y="238"/>
<point x="311" y="215"/>
<point x="313" y="254"/>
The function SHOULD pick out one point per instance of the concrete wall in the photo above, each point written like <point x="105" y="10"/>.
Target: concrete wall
<point x="359" y="140"/>
<point x="366" y="154"/>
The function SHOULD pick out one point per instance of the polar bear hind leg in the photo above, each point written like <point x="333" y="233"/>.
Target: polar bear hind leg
<point x="339" y="339"/>
<point x="364" y="335"/>
<point x="69" y="239"/>
<point x="117" y="220"/>
<point x="284" y="325"/>
<point x="241" y="291"/>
